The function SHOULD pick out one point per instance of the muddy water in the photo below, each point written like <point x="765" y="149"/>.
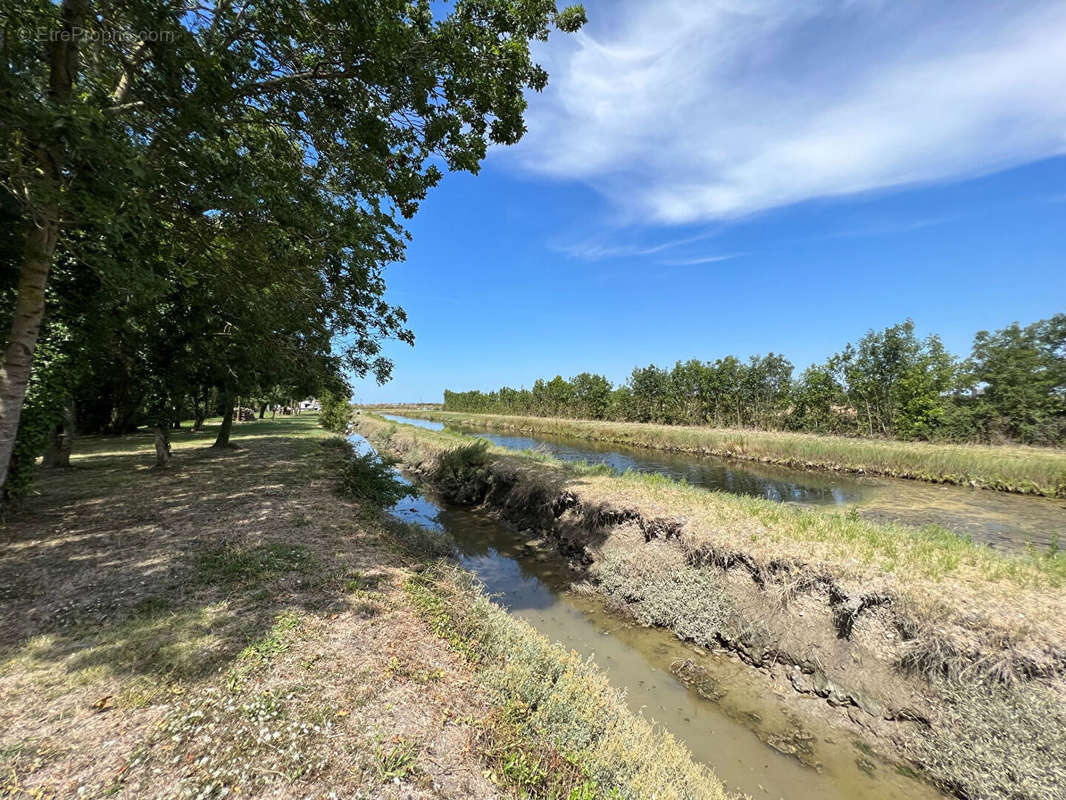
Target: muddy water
<point x="729" y="734"/>
<point x="1004" y="521"/>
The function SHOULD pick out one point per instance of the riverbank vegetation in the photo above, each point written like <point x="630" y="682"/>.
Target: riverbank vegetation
<point x="245" y="630"/>
<point x="891" y="384"/>
<point x="913" y="555"/>
<point x="548" y="693"/>
<point x="943" y="653"/>
<point x="1021" y="469"/>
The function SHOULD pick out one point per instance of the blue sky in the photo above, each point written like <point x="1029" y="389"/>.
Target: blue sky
<point x="707" y="178"/>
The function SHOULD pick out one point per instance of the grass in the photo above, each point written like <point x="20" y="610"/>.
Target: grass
<point x="929" y="553"/>
<point x="558" y="729"/>
<point x="231" y="564"/>
<point x="396" y="761"/>
<point x="244" y="628"/>
<point x="1024" y="470"/>
<point x="845" y="541"/>
<point x="971" y="631"/>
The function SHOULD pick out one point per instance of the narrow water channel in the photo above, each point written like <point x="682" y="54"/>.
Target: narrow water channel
<point x="731" y="735"/>
<point x="1004" y="521"/>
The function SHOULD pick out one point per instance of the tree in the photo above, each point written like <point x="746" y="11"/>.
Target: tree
<point x="369" y="97"/>
<point x="896" y="383"/>
<point x="890" y="384"/>
<point x="1017" y="377"/>
<point x="817" y="400"/>
<point x="591" y="396"/>
<point x="650" y="388"/>
<point x="688" y="382"/>
<point x="765" y="388"/>
<point x="729" y="376"/>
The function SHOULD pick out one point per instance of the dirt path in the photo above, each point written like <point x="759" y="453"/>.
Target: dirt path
<point x="226" y="626"/>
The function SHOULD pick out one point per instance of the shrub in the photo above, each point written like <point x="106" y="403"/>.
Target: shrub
<point x="370" y="480"/>
<point x="336" y="413"/>
<point x="454" y="464"/>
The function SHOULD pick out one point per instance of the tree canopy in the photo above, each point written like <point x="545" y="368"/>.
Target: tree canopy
<point x="204" y="197"/>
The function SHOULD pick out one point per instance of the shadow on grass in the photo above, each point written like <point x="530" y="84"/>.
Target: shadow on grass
<point x="168" y="575"/>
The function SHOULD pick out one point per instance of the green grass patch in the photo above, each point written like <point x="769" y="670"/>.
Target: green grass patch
<point x="534" y="770"/>
<point x="397" y="760"/>
<point x="264" y="649"/>
<point x="231" y="565"/>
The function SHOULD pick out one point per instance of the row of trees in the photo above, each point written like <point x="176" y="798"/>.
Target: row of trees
<point x="891" y="383"/>
<point x="198" y="199"/>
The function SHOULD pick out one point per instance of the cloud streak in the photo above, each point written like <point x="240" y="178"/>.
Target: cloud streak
<point x="696" y="260"/>
<point x="683" y="112"/>
<point x="597" y="250"/>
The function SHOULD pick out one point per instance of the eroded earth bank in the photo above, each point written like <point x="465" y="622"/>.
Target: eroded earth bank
<point x="942" y="657"/>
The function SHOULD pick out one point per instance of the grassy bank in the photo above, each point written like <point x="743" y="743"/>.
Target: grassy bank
<point x="241" y="629"/>
<point x="947" y="655"/>
<point x="1024" y="470"/>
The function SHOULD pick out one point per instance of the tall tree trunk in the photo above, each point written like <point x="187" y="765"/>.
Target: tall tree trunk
<point x="199" y="411"/>
<point x="40" y="241"/>
<point x="227" y="419"/>
<point x="162" y="446"/>
<point x="58" y="453"/>
<point x="25" y="326"/>
<point x="262" y="410"/>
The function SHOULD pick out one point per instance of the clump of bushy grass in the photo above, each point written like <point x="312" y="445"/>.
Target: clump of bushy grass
<point x="660" y="590"/>
<point x="455" y="463"/>
<point x="461" y="475"/>
<point x="371" y="480"/>
<point x="555" y="698"/>
<point x="995" y="741"/>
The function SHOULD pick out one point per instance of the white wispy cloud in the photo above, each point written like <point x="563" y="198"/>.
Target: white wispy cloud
<point x="684" y="112"/>
<point x="596" y="249"/>
<point x="695" y="260"/>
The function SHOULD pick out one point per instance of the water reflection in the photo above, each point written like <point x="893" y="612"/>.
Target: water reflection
<point x="779" y="485"/>
<point x="428" y="424"/>
<point x="1009" y="522"/>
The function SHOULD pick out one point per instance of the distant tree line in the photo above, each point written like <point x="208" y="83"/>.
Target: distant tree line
<point x="890" y="384"/>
